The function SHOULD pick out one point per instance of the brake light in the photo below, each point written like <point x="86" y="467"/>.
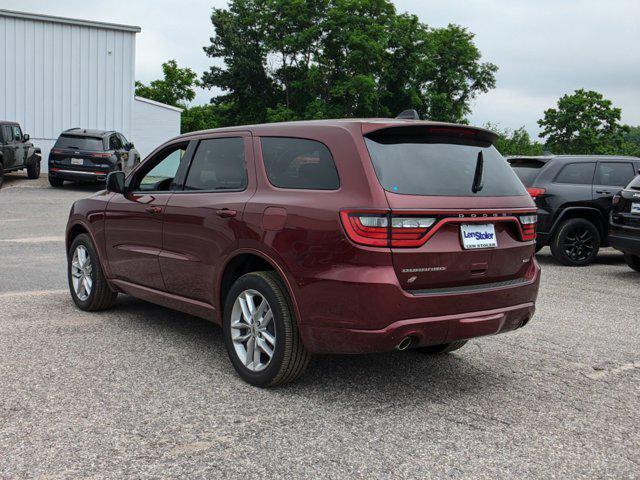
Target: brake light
<point x="56" y="150"/>
<point x="383" y="229"/>
<point x="535" y="192"/>
<point x="101" y="155"/>
<point x="528" y="224"/>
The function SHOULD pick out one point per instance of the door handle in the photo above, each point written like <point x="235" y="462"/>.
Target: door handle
<point x="226" y="213"/>
<point x="154" y="209"/>
<point x="603" y="192"/>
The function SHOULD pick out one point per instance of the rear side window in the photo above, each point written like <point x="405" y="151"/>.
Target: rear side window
<point x="299" y="163"/>
<point x="614" y="174"/>
<point x="92" y="144"/>
<point x="576" y="173"/>
<point x="218" y="164"/>
<point x="436" y="165"/>
<point x="527" y="170"/>
<point x="7" y="133"/>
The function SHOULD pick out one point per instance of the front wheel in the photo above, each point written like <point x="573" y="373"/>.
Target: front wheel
<point x="33" y="170"/>
<point x="576" y="242"/>
<point x="260" y="331"/>
<point x="633" y="261"/>
<point x="87" y="283"/>
<point x="442" y="349"/>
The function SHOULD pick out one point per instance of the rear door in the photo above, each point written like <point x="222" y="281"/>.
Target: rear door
<point x="610" y="178"/>
<point x="203" y="220"/>
<point x="473" y="235"/>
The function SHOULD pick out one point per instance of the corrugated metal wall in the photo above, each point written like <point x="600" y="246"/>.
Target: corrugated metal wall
<point x="153" y="124"/>
<point x="55" y="76"/>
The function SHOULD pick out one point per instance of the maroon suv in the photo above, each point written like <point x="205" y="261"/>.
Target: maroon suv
<point x="342" y="236"/>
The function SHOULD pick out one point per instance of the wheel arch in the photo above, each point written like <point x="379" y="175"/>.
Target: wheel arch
<point x="594" y="215"/>
<point x="245" y="261"/>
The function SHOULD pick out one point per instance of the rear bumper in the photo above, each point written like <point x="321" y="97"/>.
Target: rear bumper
<point x="449" y="317"/>
<point x="625" y="242"/>
<point x="77" y="175"/>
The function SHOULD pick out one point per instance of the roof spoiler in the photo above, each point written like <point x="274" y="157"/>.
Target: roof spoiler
<point x="408" y="115"/>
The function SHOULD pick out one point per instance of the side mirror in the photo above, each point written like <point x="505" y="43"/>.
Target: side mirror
<point x="115" y="182"/>
<point x="25" y="137"/>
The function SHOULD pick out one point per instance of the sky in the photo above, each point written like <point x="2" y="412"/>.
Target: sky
<point x="544" y="48"/>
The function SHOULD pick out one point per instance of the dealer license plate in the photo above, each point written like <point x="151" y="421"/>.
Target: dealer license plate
<point x="77" y="161"/>
<point x="478" y="236"/>
<point x="635" y="208"/>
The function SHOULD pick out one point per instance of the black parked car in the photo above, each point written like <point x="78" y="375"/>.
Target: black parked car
<point x="624" y="233"/>
<point x="82" y="155"/>
<point x="17" y="152"/>
<point x="574" y="196"/>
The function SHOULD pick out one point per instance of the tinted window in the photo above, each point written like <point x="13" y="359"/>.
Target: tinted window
<point x="614" y="174"/>
<point x="92" y="144"/>
<point x="114" y="142"/>
<point x="577" y="173"/>
<point x="298" y="163"/>
<point x="425" y="165"/>
<point x="17" y="134"/>
<point x="218" y="164"/>
<point x="527" y="170"/>
<point x="163" y="169"/>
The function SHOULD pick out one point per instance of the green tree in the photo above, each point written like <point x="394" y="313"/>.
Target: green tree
<point x="583" y="123"/>
<point x="632" y="141"/>
<point x="515" y="142"/>
<point x="201" y="117"/>
<point x="307" y="59"/>
<point x="176" y="88"/>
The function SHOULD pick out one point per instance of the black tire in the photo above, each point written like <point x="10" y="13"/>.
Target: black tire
<point x="289" y="358"/>
<point x="101" y="297"/>
<point x="55" y="182"/>
<point x="633" y="261"/>
<point x="576" y="243"/>
<point x="33" y="170"/>
<point x="442" y="349"/>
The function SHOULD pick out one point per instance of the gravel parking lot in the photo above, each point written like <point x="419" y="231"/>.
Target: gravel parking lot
<point x="145" y="392"/>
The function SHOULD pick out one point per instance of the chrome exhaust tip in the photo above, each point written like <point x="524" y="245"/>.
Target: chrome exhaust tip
<point x="404" y="344"/>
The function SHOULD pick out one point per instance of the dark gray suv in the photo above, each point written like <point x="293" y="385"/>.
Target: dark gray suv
<point x="17" y="152"/>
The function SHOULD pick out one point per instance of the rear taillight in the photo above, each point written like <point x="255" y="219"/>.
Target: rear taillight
<point x="56" y="150"/>
<point x="528" y="224"/>
<point x="384" y="229"/>
<point x="535" y="192"/>
<point x="101" y="155"/>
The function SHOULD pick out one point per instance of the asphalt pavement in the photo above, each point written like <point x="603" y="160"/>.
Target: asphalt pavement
<point x="143" y="392"/>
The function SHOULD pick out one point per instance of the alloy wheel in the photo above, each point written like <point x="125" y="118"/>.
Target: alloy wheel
<point x="253" y="330"/>
<point x="81" y="270"/>
<point x="579" y="244"/>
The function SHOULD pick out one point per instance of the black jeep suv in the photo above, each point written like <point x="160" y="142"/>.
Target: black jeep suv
<point x="82" y="155"/>
<point x="17" y="152"/>
<point x="574" y="196"/>
<point x="624" y="233"/>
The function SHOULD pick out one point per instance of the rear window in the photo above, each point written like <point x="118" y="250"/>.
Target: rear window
<point x="527" y="169"/>
<point x="299" y="163"/>
<point x="92" y="144"/>
<point x="429" y="165"/>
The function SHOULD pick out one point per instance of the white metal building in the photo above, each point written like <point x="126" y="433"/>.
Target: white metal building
<point x="153" y="121"/>
<point x="59" y="73"/>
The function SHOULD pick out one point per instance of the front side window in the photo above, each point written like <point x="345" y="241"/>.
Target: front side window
<point x="114" y="142"/>
<point x="614" y="174"/>
<point x="162" y="170"/>
<point x="576" y="173"/>
<point x="218" y="164"/>
<point x="17" y="134"/>
<point x="422" y="164"/>
<point x="299" y="163"/>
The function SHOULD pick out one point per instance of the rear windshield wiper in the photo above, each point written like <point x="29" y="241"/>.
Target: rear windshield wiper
<point x="477" y="177"/>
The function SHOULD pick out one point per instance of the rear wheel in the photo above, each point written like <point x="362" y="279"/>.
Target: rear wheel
<point x="55" y="182"/>
<point x="33" y="170"/>
<point x="442" y="349"/>
<point x="576" y="243"/>
<point x="260" y="331"/>
<point x="633" y="261"/>
<point x="89" y="288"/>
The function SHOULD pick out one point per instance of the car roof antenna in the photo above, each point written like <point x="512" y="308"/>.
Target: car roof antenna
<point x="409" y="115"/>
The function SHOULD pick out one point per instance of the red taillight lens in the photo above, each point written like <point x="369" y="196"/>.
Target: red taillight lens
<point x="56" y="150"/>
<point x="101" y="155"/>
<point x="528" y="224"/>
<point x="535" y="192"/>
<point x="373" y="228"/>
